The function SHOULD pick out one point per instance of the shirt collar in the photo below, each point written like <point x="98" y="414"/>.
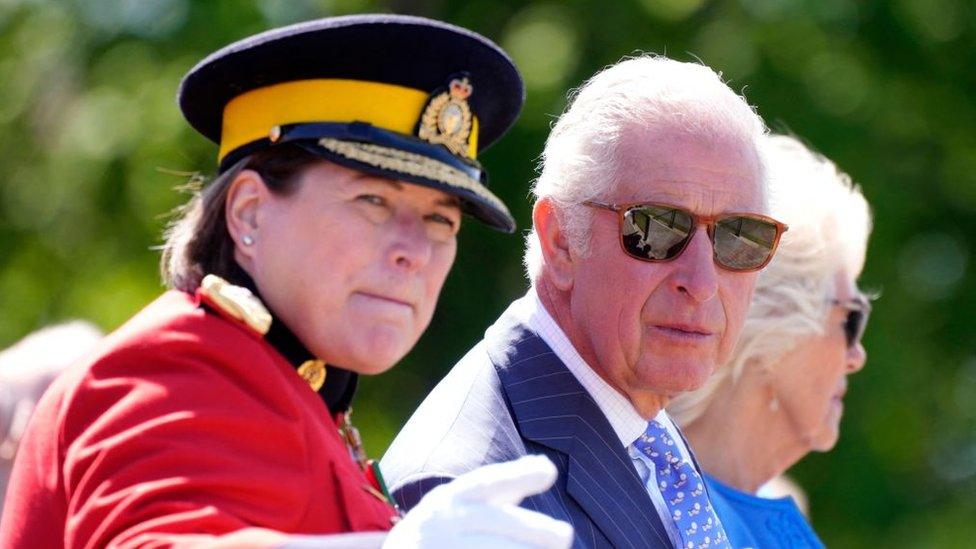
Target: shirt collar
<point x="623" y="417"/>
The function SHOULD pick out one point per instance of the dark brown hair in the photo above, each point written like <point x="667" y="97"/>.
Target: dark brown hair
<point x="197" y="243"/>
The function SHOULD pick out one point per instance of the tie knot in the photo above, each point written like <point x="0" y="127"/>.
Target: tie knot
<point x="655" y="429"/>
<point x="657" y="444"/>
<point x="656" y="435"/>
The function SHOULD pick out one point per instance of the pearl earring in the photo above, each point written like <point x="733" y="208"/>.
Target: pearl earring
<point x="247" y="240"/>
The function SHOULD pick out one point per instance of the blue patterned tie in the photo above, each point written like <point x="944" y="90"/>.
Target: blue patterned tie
<point x="683" y="491"/>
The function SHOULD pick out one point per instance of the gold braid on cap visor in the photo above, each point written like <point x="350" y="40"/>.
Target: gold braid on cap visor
<point x="388" y="158"/>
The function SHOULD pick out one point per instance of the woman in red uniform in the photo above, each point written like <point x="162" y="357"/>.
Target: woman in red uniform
<point x="218" y="416"/>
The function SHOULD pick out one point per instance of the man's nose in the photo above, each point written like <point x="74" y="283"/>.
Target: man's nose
<point x="695" y="271"/>
<point x="856" y="357"/>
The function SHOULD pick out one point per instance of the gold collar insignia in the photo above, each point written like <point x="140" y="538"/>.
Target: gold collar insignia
<point x="313" y="372"/>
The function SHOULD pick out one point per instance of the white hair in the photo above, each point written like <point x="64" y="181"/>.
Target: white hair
<point x="829" y="224"/>
<point x="29" y="366"/>
<point x="581" y="160"/>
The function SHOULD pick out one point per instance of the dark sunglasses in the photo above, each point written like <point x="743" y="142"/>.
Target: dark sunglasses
<point x="856" y="321"/>
<point x="660" y="232"/>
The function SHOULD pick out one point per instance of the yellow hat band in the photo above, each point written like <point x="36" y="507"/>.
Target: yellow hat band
<point x="251" y="115"/>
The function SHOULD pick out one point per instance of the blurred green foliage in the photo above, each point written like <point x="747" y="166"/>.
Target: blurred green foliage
<point x="91" y="145"/>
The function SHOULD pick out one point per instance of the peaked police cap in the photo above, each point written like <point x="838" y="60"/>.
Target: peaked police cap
<point x="399" y="96"/>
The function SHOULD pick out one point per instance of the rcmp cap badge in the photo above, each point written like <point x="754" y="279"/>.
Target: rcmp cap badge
<point x="447" y="117"/>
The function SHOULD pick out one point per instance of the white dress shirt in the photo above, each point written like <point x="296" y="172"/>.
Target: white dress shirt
<point x="620" y="413"/>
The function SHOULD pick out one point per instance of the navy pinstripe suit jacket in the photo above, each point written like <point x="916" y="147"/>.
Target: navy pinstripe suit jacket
<point x="511" y="396"/>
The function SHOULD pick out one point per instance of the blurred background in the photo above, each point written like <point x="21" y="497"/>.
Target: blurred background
<point x="92" y="147"/>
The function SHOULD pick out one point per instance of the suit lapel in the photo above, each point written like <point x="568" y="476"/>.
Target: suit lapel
<point x="551" y="408"/>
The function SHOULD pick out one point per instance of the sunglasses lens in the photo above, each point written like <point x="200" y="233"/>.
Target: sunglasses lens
<point x="655" y="233"/>
<point x="854" y="326"/>
<point x="744" y="243"/>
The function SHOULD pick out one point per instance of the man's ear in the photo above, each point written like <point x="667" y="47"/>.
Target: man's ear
<point x="245" y="196"/>
<point x="554" y="243"/>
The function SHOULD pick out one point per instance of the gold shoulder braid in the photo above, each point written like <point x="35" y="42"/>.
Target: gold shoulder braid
<point x="237" y="302"/>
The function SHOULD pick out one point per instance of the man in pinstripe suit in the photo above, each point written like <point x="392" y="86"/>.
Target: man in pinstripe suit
<point x="581" y="367"/>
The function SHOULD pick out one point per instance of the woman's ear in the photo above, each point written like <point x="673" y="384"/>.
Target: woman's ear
<point x="758" y="376"/>
<point x="245" y="197"/>
<point x="554" y="244"/>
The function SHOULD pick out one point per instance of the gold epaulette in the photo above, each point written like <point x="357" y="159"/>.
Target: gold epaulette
<point x="236" y="302"/>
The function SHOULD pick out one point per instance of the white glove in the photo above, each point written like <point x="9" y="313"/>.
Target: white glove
<point x="480" y="510"/>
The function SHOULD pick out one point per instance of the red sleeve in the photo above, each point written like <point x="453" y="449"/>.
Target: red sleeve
<point x="168" y="446"/>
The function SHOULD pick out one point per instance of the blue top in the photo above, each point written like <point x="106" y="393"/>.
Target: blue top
<point x="752" y="521"/>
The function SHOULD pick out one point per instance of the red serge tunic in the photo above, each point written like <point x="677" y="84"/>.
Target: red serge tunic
<point x="186" y="428"/>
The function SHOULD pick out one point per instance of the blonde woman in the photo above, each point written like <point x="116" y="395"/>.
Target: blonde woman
<point x="781" y="395"/>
